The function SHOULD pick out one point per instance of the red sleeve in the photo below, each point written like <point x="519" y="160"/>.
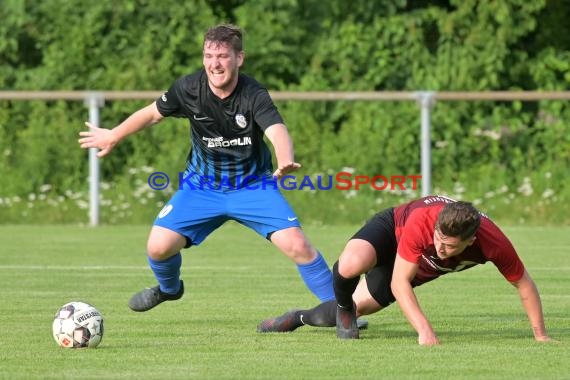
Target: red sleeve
<point x="499" y="250"/>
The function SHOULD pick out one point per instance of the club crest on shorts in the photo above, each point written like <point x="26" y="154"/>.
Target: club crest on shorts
<point x="241" y="121"/>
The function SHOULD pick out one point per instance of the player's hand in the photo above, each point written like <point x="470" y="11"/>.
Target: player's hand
<point x="96" y="137"/>
<point x="428" y="339"/>
<point x="544" y="338"/>
<point x="286" y="169"/>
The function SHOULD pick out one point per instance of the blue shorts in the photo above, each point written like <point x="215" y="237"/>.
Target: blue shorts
<point x="195" y="213"/>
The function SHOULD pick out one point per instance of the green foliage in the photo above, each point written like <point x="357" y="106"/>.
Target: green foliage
<point x="479" y="148"/>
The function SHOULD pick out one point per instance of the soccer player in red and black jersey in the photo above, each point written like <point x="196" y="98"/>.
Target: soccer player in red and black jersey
<point x="407" y="246"/>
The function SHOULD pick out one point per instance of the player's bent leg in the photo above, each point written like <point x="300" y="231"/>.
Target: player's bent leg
<point x="311" y="265"/>
<point x="346" y="326"/>
<point x="365" y="303"/>
<point x="165" y="260"/>
<point x="164" y="243"/>
<point x="322" y="315"/>
<point x="357" y="257"/>
<point x="294" y="244"/>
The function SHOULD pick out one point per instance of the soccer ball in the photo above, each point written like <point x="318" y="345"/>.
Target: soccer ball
<point x="77" y="325"/>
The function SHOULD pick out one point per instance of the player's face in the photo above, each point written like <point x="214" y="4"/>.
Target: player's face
<point x="449" y="246"/>
<point x="222" y="65"/>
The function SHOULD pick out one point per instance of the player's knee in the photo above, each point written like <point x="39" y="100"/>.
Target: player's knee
<point x="348" y="267"/>
<point x="158" y="250"/>
<point x="163" y="243"/>
<point x="353" y="263"/>
<point x="301" y="251"/>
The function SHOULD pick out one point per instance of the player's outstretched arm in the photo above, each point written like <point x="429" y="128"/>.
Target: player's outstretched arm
<point x="106" y="139"/>
<point x="530" y="299"/>
<point x="283" y="146"/>
<point x="404" y="272"/>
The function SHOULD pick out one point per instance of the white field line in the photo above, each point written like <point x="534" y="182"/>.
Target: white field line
<point x="106" y="267"/>
<point x="137" y="267"/>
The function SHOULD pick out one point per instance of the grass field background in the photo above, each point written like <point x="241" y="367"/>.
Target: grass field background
<point x="234" y="280"/>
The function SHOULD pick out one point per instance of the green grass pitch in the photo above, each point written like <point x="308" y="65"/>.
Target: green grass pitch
<point x="234" y="280"/>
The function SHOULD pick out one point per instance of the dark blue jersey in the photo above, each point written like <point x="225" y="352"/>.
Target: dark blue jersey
<point x="226" y="134"/>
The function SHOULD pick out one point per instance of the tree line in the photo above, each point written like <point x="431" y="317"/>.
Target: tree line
<point x="483" y="150"/>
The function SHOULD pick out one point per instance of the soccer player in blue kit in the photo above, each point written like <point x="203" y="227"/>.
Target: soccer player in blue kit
<point x="229" y="174"/>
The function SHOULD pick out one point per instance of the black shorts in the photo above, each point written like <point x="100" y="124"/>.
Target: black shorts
<point x="380" y="231"/>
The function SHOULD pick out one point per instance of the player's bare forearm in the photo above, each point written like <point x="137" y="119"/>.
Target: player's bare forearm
<point x="140" y="119"/>
<point x="532" y="304"/>
<point x="283" y="146"/>
<point x="411" y="309"/>
<point x="404" y="272"/>
<point x="106" y="139"/>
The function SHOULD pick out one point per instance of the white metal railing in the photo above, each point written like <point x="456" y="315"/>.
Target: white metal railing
<point x="95" y="100"/>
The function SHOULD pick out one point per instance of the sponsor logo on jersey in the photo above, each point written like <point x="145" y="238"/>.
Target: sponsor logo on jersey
<point x="241" y="120"/>
<point x="163" y="97"/>
<point x="220" y="142"/>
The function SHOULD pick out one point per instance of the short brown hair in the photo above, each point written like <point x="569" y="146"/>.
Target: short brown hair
<point x="458" y="219"/>
<point x="225" y="34"/>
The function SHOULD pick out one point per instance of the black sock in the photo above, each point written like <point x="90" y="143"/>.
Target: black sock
<point x="323" y="315"/>
<point x="343" y="288"/>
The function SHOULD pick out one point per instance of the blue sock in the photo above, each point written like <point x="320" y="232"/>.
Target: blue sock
<point x="318" y="278"/>
<point x="167" y="273"/>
